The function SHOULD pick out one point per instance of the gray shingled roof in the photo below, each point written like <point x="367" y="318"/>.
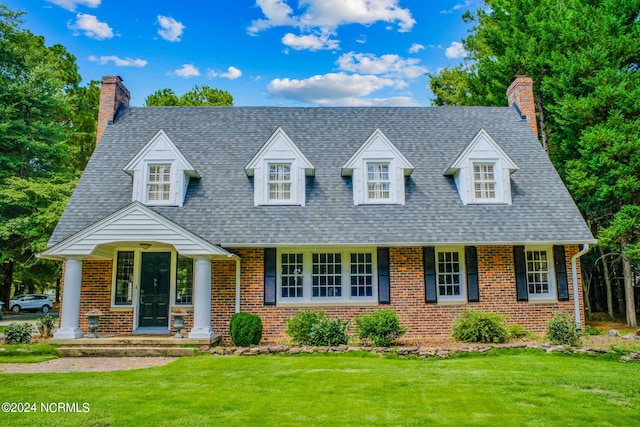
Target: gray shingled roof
<point x="219" y="141"/>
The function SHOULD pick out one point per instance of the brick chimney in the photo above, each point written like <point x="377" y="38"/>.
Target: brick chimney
<point x="520" y="93"/>
<point x="113" y="95"/>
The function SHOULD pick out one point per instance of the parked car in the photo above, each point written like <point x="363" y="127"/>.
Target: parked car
<point x="1" y="304"/>
<point x="30" y="302"/>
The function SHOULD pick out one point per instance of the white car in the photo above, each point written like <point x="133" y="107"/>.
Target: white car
<point x="30" y="302"/>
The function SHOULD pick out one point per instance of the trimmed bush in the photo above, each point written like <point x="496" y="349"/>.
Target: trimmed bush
<point x="517" y="331"/>
<point x="480" y="326"/>
<point x="329" y="332"/>
<point x="246" y="329"/>
<point x="18" y="333"/>
<point x="299" y="326"/>
<point x="382" y="327"/>
<point x="561" y="329"/>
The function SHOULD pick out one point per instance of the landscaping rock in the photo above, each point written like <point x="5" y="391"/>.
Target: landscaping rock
<point x="613" y="333"/>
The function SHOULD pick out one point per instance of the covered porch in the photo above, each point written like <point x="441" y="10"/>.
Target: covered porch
<point x="151" y="271"/>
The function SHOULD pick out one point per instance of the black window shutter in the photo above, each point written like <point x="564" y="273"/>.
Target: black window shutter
<point x="561" y="273"/>
<point x="471" y="265"/>
<point x="520" y="266"/>
<point x="270" y="276"/>
<point x="429" y="261"/>
<point x="384" y="284"/>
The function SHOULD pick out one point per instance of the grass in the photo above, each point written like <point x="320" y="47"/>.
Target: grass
<point x="524" y="388"/>
<point x="27" y="353"/>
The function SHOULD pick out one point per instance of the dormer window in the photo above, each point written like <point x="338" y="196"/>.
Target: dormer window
<point x="159" y="186"/>
<point x="378" y="181"/>
<point x="482" y="172"/>
<point x="160" y="173"/>
<point x="378" y="169"/>
<point x="279" y="171"/>
<point x="484" y="181"/>
<point x="280" y="182"/>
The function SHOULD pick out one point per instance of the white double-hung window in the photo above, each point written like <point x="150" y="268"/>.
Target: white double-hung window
<point x="450" y="274"/>
<point x="279" y="181"/>
<point x="378" y="181"/>
<point x="540" y="273"/>
<point x="484" y="181"/>
<point x="159" y="182"/>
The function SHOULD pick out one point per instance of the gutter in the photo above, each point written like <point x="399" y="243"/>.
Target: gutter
<point x="574" y="279"/>
<point x="238" y="284"/>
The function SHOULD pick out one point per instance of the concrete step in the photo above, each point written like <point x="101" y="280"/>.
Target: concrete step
<point x="80" y="351"/>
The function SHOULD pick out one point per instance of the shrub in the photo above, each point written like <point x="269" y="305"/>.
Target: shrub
<point x="18" y="333"/>
<point x="329" y="332"/>
<point x="299" y="327"/>
<point x="382" y="327"/>
<point x="45" y="325"/>
<point x="517" y="331"/>
<point x="561" y="329"/>
<point x="479" y="326"/>
<point x="246" y="329"/>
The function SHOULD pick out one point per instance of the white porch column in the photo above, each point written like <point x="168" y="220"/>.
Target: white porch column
<point x="70" y="315"/>
<point x="202" y="299"/>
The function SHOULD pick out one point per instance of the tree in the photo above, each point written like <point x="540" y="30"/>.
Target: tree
<point x="583" y="57"/>
<point x="37" y="171"/>
<point x="199" y="96"/>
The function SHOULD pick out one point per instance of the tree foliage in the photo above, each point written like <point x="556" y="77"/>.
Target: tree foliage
<point x="583" y="57"/>
<point x="199" y="96"/>
<point x="47" y="129"/>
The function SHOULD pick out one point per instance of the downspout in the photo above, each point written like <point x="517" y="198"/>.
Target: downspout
<point x="238" y="285"/>
<point x="574" y="278"/>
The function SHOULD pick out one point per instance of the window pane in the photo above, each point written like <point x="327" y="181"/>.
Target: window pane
<point x="326" y="275"/>
<point x="361" y="275"/>
<point x="124" y="278"/>
<point x="449" y="273"/>
<point x="292" y="276"/>
<point x="279" y="181"/>
<point x="537" y="272"/>
<point x="484" y="181"/>
<point x="159" y="185"/>
<point x="378" y="181"/>
<point x="184" y="280"/>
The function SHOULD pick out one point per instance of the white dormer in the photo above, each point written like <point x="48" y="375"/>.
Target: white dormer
<point x="378" y="169"/>
<point x="160" y="173"/>
<point x="483" y="172"/>
<point x="279" y="169"/>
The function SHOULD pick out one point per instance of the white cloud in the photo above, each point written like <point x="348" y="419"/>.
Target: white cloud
<point x="231" y="74"/>
<point x="390" y="66"/>
<point x="119" y="62"/>
<point x="458" y="6"/>
<point x="331" y="14"/>
<point x="416" y="47"/>
<point x="277" y="13"/>
<point x="170" y="29"/>
<point x="456" y="50"/>
<point x="334" y="89"/>
<point x="311" y="42"/>
<point x="91" y="27"/>
<point x="187" y="70"/>
<point x="71" y="5"/>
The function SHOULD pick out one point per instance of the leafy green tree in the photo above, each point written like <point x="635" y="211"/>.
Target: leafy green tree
<point x="37" y="123"/>
<point x="199" y="96"/>
<point x="583" y="57"/>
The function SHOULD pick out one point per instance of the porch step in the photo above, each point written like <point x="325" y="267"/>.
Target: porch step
<point x="138" y="351"/>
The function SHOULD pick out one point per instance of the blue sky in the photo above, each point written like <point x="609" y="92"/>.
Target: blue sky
<point x="264" y="52"/>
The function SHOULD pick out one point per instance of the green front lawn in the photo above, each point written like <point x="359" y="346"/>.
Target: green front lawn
<point x="506" y="388"/>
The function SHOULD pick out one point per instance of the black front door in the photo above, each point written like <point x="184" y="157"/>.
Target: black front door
<point x="154" y="289"/>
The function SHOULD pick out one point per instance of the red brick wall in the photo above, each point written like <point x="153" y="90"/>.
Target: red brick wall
<point x="425" y="321"/>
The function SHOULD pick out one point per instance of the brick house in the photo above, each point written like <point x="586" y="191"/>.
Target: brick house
<point x="215" y="210"/>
